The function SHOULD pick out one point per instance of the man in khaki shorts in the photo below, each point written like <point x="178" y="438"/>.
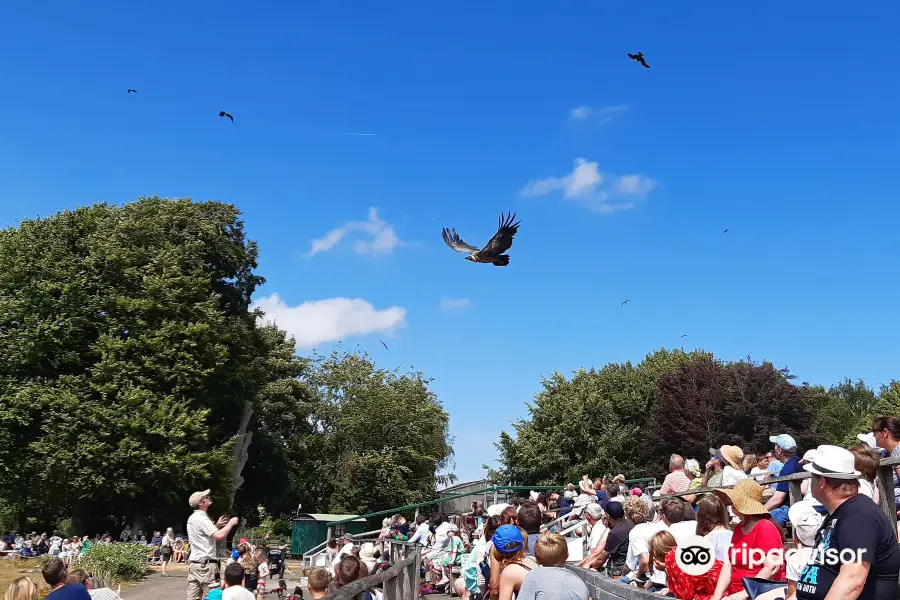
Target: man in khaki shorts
<point x="203" y="564"/>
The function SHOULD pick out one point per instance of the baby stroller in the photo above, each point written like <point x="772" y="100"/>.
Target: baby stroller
<point x="275" y="558"/>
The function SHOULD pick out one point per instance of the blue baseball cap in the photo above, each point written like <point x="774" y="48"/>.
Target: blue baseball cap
<point x="508" y="538"/>
<point x="785" y="441"/>
<point x="615" y="510"/>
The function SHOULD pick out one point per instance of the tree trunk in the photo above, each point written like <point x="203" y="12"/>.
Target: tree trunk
<point x="240" y="453"/>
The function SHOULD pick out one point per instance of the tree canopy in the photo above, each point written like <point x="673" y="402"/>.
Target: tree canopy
<point x="629" y="419"/>
<point x="133" y="372"/>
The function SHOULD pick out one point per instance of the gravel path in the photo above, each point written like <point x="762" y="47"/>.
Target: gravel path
<point x="157" y="587"/>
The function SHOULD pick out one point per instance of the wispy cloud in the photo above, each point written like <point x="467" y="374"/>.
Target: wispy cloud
<point x="600" y="114"/>
<point x="586" y="185"/>
<point x="317" y="321"/>
<point x="455" y="303"/>
<point x="378" y="237"/>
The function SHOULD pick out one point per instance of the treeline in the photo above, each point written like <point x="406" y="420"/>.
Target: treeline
<point x="132" y="372"/>
<point x="628" y="418"/>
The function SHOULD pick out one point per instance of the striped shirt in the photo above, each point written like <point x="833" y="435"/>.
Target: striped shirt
<point x="674" y="483"/>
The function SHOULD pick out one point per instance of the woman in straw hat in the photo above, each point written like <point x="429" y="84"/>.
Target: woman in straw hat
<point x="733" y="471"/>
<point x="756" y="536"/>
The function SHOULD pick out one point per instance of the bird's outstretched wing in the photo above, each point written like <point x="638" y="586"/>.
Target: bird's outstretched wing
<point x="383" y="344"/>
<point x="452" y="239"/>
<point x="503" y="239"/>
<point x="643" y="62"/>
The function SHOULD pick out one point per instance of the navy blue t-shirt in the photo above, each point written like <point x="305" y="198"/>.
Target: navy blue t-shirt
<point x="72" y="591"/>
<point x="790" y="467"/>
<point x="602" y="499"/>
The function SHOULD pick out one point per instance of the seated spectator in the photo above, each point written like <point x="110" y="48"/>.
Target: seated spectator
<point x="21" y="589"/>
<point x="755" y="534"/>
<point x="317" y="583"/>
<point x="593" y="514"/>
<point x="530" y="520"/>
<point x="423" y="531"/>
<point x="805" y="521"/>
<point x="81" y="576"/>
<point x="56" y="575"/>
<point x="712" y="474"/>
<point x="677" y="480"/>
<point x="786" y="452"/>
<point x="552" y="580"/>
<point x="866" y="462"/>
<point x="752" y="468"/>
<point x="637" y="558"/>
<point x="692" y="469"/>
<point x="233" y="582"/>
<point x="678" y="583"/>
<point x="510" y="552"/>
<point x="348" y="570"/>
<point x="732" y="471"/>
<point x="853" y="524"/>
<point x="887" y="437"/>
<point x="673" y="511"/>
<point x="712" y="524"/>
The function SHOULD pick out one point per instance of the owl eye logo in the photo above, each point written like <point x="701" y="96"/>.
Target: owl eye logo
<point x="694" y="555"/>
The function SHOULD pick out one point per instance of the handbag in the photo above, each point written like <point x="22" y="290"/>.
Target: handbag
<point x="758" y="588"/>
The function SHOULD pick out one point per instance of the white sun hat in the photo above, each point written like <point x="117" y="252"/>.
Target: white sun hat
<point x="833" y="462"/>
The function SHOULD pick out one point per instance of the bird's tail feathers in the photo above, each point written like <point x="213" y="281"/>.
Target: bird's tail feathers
<point x="501" y="261"/>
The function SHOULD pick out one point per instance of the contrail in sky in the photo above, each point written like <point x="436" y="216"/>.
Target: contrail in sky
<point x="358" y="134"/>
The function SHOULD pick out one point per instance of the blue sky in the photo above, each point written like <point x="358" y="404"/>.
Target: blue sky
<point x="775" y="120"/>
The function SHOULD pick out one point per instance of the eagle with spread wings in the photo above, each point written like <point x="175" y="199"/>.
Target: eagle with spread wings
<point x="493" y="251"/>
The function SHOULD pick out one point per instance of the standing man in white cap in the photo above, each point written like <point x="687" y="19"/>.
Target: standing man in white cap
<point x="203" y="567"/>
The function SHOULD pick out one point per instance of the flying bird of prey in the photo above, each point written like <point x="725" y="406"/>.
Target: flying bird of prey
<point x="624" y="303"/>
<point x="383" y="344"/>
<point x="222" y="113"/>
<point x="639" y="57"/>
<point x="493" y="251"/>
<point x="683" y="335"/>
<point x="132" y="91"/>
<point x="726" y="231"/>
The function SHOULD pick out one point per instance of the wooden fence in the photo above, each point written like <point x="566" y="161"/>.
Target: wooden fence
<point x="400" y="581"/>
<point x="604" y="588"/>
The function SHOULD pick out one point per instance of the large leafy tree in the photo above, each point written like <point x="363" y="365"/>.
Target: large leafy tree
<point x="385" y="436"/>
<point x="709" y="403"/>
<point x="130" y="360"/>
<point x="591" y="423"/>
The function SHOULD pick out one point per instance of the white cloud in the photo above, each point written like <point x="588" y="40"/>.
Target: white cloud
<point x="330" y="320"/>
<point x="601" y="114"/>
<point x="379" y="237"/>
<point x="455" y="303"/>
<point x="585" y="185"/>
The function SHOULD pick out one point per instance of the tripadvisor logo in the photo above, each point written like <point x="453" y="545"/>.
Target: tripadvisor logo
<point x="694" y="555"/>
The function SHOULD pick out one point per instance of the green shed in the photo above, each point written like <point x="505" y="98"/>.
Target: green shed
<point x="310" y="530"/>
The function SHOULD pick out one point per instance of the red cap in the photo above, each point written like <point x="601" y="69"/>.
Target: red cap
<point x="243" y="540"/>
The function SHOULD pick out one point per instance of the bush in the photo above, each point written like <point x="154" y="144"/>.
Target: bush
<point x="110" y="564"/>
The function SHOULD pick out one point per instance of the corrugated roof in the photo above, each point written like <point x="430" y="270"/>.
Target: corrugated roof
<point x="478" y="482"/>
<point x="328" y="518"/>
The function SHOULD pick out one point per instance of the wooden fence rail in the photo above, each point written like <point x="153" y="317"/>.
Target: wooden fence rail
<point x="400" y="581"/>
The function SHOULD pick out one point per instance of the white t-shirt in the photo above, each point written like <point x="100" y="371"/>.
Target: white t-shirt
<point x="865" y="488"/>
<point x="597" y="533"/>
<point x="200" y="529"/>
<point x="639" y="542"/>
<point x="263" y="571"/>
<point x="440" y="535"/>
<point x="683" y="530"/>
<point x="796" y="561"/>
<point x="758" y="474"/>
<point x="731" y="476"/>
<point x="237" y="592"/>
<point x="421" y="534"/>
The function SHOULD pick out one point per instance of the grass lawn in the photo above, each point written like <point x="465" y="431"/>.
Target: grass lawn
<point x="13" y="569"/>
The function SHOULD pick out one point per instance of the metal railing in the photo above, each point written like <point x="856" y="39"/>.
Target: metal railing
<point x="400" y="581"/>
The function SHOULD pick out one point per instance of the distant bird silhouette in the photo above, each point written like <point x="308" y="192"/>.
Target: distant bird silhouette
<point x="726" y="231"/>
<point x="383" y="344"/>
<point x="683" y="335"/>
<point x="222" y="113"/>
<point x="639" y="57"/>
<point x="132" y="91"/>
<point x="624" y="303"/>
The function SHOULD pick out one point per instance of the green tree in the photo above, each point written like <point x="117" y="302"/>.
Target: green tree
<point x="589" y="424"/>
<point x="885" y="404"/>
<point x="842" y="404"/>
<point x="129" y="358"/>
<point x="385" y="436"/>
